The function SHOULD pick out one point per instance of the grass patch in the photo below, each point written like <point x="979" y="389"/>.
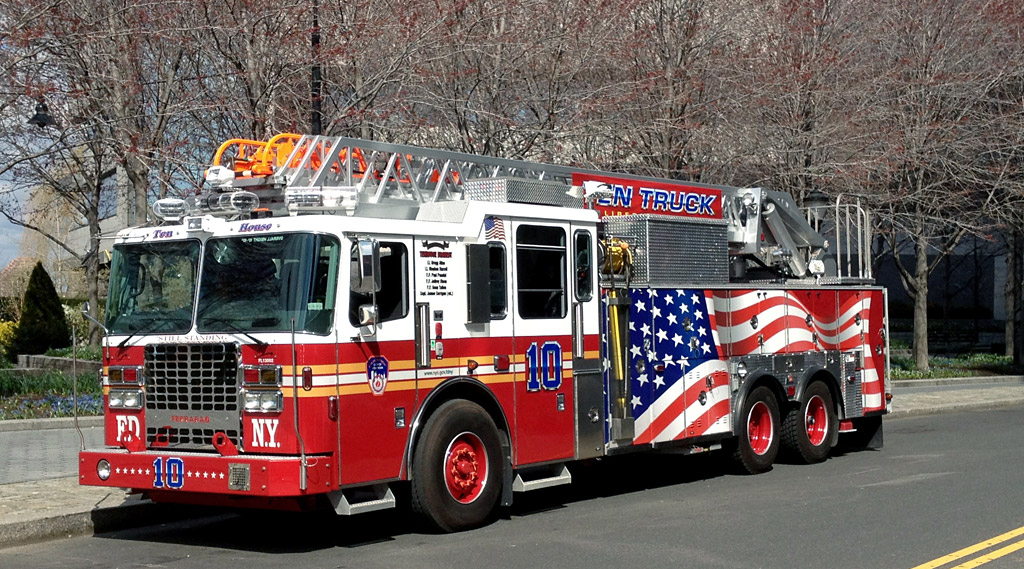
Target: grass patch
<point x="965" y="365"/>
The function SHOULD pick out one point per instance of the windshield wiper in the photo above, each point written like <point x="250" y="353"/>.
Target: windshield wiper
<point x="147" y="327"/>
<point x="234" y="328"/>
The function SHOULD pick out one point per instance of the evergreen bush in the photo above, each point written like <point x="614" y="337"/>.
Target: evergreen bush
<point x="42" y="325"/>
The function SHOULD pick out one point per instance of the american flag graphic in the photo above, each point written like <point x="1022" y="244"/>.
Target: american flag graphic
<point x="680" y="339"/>
<point x="494" y="228"/>
<point x="806" y="321"/>
<point x="679" y="386"/>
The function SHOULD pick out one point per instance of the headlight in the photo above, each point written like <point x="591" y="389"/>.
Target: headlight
<point x="103" y="469"/>
<point x="263" y="401"/>
<point x="125" y="399"/>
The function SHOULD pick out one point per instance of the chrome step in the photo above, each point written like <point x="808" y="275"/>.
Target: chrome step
<point x="362" y="500"/>
<point x="522" y="485"/>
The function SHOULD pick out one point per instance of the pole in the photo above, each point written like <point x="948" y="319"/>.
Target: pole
<point x="316" y="86"/>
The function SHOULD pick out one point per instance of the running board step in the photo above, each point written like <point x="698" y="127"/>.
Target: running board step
<point x="362" y="500"/>
<point x="561" y="477"/>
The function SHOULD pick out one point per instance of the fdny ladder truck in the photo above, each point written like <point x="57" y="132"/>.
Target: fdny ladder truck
<point x="331" y="320"/>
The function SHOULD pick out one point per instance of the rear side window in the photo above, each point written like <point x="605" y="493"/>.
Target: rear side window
<point x="540" y="271"/>
<point x="498" y="280"/>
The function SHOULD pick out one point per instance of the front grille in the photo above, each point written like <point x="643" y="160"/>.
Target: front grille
<point x="191" y="394"/>
<point x="192" y="377"/>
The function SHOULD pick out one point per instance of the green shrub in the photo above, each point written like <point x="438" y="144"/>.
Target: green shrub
<point x="50" y="394"/>
<point x="47" y="383"/>
<point x="6" y="336"/>
<point x="90" y="353"/>
<point x="42" y="325"/>
<point x="965" y="365"/>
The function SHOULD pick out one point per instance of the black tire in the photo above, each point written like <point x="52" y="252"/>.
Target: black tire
<point x="809" y="429"/>
<point x="457" y="468"/>
<point x="757" y="435"/>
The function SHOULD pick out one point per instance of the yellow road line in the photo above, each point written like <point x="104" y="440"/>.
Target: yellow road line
<point x="976" y="548"/>
<point x="978" y="561"/>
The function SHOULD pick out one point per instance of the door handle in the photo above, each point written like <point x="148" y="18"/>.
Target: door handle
<point x="577" y="330"/>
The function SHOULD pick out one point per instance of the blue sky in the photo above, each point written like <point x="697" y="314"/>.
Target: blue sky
<point x="10" y="238"/>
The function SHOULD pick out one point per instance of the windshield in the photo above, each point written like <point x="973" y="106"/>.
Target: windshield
<point x="152" y="287"/>
<point x="261" y="283"/>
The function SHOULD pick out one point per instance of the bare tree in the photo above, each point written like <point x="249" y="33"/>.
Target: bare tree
<point x="110" y="72"/>
<point x="794" y="84"/>
<point x="937" y="169"/>
<point x="512" y="79"/>
<point x="666" y="99"/>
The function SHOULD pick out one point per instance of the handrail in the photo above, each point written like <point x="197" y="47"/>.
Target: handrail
<point x="258" y="157"/>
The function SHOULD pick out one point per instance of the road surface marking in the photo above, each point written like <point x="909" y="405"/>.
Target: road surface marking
<point x="946" y="559"/>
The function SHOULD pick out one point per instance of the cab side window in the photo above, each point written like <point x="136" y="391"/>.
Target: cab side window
<point x="393" y="296"/>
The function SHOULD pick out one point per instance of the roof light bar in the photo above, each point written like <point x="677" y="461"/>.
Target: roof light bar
<point x="170" y="209"/>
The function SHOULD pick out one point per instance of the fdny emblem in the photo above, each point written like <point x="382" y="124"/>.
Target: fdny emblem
<point x="377" y="374"/>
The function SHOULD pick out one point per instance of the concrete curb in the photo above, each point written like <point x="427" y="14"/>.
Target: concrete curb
<point x="949" y="381"/>
<point x="133" y="513"/>
<point x="956" y="408"/>
<point x="71" y="525"/>
<point x="56" y="423"/>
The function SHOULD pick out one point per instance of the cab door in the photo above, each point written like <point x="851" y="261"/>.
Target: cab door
<point x="543" y="326"/>
<point x="378" y="375"/>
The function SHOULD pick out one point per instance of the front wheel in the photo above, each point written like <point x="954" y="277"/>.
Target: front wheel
<point x="457" y="468"/>
<point x="809" y="429"/>
<point x="757" y="442"/>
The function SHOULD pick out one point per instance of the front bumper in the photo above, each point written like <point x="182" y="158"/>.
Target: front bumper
<point x="240" y="475"/>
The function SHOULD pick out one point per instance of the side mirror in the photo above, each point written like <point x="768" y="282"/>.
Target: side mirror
<point x="368" y="314"/>
<point x="365" y="276"/>
<point x="85" y="313"/>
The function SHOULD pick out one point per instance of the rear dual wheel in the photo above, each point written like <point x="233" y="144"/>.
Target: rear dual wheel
<point x="809" y="430"/>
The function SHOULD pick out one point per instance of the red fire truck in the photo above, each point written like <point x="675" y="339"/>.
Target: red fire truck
<point x="331" y="320"/>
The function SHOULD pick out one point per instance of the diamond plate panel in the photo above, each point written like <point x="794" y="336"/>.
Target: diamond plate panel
<point x="671" y="251"/>
<point x="852" y="389"/>
<point x="516" y="190"/>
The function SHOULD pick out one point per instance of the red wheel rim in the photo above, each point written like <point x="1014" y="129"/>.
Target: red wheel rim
<point x="759" y="428"/>
<point x="816" y="420"/>
<point x="465" y="468"/>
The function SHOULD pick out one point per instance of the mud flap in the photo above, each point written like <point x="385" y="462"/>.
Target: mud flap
<point x="868" y="434"/>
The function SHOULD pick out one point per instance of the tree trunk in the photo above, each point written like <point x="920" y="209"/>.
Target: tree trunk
<point x="921" y="304"/>
<point x="92" y="275"/>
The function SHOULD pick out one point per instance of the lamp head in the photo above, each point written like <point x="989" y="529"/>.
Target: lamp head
<point x="42" y="118"/>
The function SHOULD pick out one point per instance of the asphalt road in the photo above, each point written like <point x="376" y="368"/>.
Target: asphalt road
<point x="942" y="483"/>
